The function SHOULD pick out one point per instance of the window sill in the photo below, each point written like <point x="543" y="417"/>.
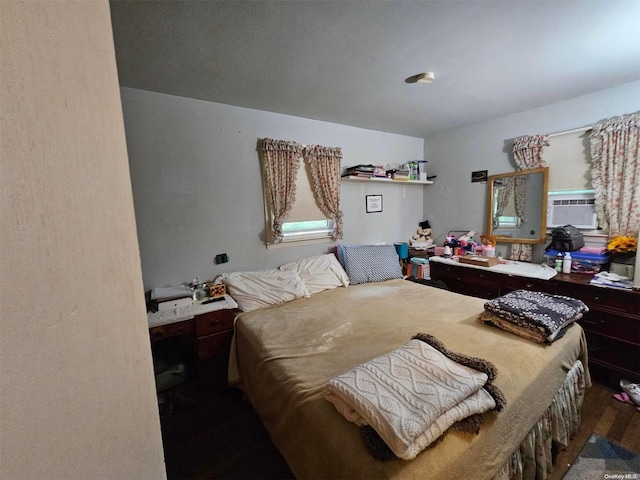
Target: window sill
<point x="298" y="243"/>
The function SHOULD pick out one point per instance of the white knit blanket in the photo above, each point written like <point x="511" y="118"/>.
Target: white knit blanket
<point x="410" y="396"/>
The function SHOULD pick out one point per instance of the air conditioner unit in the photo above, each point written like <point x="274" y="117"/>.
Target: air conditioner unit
<point x="578" y="210"/>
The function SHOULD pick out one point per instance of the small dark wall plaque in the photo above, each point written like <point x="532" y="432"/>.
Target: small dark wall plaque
<point x="479" y="176"/>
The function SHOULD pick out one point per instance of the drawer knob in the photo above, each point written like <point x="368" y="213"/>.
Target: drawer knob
<point x="528" y="285"/>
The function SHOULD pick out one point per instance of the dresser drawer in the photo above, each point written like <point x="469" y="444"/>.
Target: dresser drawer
<point x="613" y="352"/>
<point x="482" y="277"/>
<point x="612" y="325"/>
<point x="213" y="322"/>
<point x="601" y="297"/>
<point x="477" y="290"/>
<point x="444" y="272"/>
<point x="214" y="345"/>
<point x="533" y="284"/>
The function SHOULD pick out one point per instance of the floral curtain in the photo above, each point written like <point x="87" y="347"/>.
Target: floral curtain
<point x="616" y="174"/>
<point x="324" y="163"/>
<point x="281" y="162"/>
<point x="521" y="188"/>
<point x="504" y="193"/>
<point x="527" y="152"/>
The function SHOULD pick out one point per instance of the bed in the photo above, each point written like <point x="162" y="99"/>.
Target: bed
<point x="284" y="354"/>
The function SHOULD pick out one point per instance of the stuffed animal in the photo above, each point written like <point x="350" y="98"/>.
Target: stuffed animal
<point x="422" y="239"/>
<point x="466" y="239"/>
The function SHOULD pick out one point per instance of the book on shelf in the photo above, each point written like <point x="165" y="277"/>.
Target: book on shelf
<point x="366" y="171"/>
<point x="418" y="270"/>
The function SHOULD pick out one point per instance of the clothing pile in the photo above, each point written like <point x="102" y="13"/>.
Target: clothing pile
<point x="406" y="400"/>
<point x="537" y="316"/>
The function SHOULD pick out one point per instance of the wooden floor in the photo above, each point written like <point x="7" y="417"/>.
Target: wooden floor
<point x="221" y="436"/>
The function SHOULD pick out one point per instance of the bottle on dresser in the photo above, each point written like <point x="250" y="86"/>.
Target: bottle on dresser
<point x="566" y="263"/>
<point x="558" y="265"/>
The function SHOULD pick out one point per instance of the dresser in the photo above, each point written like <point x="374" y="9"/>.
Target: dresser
<point x="612" y="325"/>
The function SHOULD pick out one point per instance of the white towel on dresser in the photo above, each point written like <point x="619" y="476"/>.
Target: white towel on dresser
<point x="410" y="396"/>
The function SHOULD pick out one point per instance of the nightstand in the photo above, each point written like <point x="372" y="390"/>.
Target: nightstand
<point x="201" y="334"/>
<point x="214" y="331"/>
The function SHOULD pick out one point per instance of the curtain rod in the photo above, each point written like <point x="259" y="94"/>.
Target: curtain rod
<point x="567" y="132"/>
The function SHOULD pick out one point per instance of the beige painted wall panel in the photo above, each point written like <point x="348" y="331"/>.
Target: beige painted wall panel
<point x="77" y="394"/>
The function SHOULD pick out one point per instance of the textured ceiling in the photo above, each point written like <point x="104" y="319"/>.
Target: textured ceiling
<point x="346" y="61"/>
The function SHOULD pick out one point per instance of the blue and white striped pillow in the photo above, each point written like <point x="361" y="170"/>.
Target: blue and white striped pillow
<point x="371" y="263"/>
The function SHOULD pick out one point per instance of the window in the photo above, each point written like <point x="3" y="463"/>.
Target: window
<point x="508" y="218"/>
<point x="571" y="195"/>
<point x="569" y="159"/>
<point x="305" y="220"/>
<point x="301" y="192"/>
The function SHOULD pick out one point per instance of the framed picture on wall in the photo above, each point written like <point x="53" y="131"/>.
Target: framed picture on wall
<point x="374" y="203"/>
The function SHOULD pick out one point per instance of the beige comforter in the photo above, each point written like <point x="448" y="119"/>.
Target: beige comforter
<point x="284" y="355"/>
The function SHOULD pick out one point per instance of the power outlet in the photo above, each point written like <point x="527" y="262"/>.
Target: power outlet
<point x="222" y="258"/>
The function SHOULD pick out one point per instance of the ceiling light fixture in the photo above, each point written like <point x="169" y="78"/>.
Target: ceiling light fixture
<point x="426" y="77"/>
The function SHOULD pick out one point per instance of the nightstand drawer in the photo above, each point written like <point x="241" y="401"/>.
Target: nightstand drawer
<point x="171" y="330"/>
<point x="213" y="322"/>
<point x="214" y="345"/>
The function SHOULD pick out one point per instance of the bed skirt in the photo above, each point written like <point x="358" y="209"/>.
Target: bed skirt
<point x="533" y="459"/>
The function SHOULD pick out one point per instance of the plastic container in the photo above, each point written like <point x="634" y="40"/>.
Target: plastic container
<point x="489" y="251"/>
<point x="558" y="263"/>
<point x="566" y="262"/>
<point x="581" y="262"/>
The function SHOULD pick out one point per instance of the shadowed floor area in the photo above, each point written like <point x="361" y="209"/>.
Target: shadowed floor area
<point x="219" y="436"/>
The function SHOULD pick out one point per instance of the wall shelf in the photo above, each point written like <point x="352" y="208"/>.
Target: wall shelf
<point x="352" y="178"/>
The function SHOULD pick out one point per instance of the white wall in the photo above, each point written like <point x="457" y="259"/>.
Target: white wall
<point x="77" y="393"/>
<point x="198" y="190"/>
<point x="453" y="202"/>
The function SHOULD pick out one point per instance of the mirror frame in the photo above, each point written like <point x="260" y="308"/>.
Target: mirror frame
<point x="543" y="208"/>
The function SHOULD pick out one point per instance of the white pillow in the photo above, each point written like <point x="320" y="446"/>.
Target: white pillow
<point x="319" y="273"/>
<point x="253" y="290"/>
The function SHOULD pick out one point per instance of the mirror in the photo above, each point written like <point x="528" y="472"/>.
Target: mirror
<point x="518" y="206"/>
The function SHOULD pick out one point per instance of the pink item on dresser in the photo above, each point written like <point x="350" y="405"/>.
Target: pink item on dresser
<point x="596" y="250"/>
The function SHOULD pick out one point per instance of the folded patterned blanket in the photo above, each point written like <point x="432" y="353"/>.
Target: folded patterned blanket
<point x="537" y="316"/>
<point x="406" y="400"/>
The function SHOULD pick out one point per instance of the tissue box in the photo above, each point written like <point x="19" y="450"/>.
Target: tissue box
<point x="581" y="262"/>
